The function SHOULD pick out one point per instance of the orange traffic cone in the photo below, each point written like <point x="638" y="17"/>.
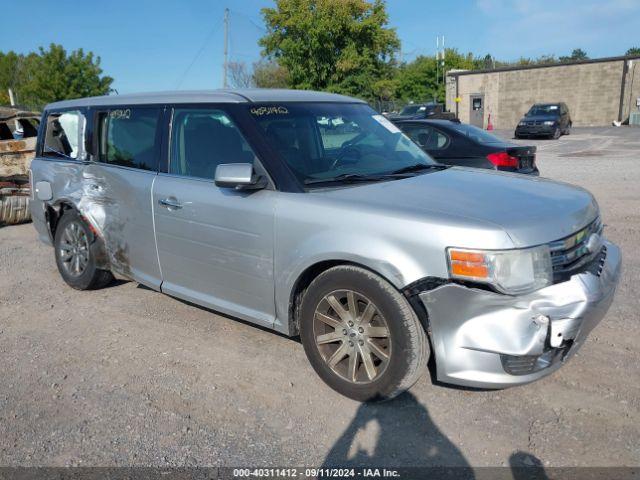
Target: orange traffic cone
<point x="489" y="124"/>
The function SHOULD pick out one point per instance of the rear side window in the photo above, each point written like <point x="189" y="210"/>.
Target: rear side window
<point x="128" y="137"/>
<point x="202" y="139"/>
<point x="63" y="135"/>
<point x="427" y="137"/>
<point x="475" y="134"/>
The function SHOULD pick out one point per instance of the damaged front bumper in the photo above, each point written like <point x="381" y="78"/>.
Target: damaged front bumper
<point x="489" y="340"/>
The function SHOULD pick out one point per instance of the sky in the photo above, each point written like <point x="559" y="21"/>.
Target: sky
<point x="152" y="45"/>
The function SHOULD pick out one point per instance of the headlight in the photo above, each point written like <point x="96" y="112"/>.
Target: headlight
<point x="549" y="122"/>
<point x="522" y="124"/>
<point x="512" y="272"/>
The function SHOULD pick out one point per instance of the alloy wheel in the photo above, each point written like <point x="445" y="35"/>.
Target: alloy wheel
<point x="352" y="336"/>
<point x="74" y="249"/>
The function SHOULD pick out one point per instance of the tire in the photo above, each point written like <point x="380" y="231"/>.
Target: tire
<point x="556" y="133"/>
<point x="568" y="130"/>
<point x="84" y="242"/>
<point x="14" y="209"/>
<point x="406" y="344"/>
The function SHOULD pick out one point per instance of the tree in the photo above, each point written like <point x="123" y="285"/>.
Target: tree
<point x="576" y="55"/>
<point x="52" y="75"/>
<point x="421" y="79"/>
<point x="239" y="76"/>
<point x="269" y="74"/>
<point x="488" y="62"/>
<point x="342" y="46"/>
<point x="633" y="51"/>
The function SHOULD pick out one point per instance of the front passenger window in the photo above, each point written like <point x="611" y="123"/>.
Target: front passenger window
<point x="203" y="139"/>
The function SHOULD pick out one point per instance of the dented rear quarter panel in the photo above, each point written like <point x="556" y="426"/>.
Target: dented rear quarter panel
<point x="115" y="201"/>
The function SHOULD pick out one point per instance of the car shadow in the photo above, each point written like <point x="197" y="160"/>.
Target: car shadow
<point x="397" y="433"/>
<point x="525" y="466"/>
<point x="116" y="282"/>
<point x="400" y="434"/>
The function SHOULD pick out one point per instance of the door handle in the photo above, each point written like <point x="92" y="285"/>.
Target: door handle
<point x="170" y="203"/>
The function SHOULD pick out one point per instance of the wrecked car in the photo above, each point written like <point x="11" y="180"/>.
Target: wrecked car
<point x="18" y="132"/>
<point x="251" y="204"/>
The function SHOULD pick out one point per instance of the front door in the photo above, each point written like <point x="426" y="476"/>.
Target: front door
<point x="477" y="110"/>
<point x="215" y="244"/>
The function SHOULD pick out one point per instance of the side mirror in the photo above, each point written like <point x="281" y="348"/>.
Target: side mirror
<point x="239" y="176"/>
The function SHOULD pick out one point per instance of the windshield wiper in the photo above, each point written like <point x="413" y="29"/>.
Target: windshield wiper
<point x="418" y="167"/>
<point x="345" y="178"/>
<point x="396" y="174"/>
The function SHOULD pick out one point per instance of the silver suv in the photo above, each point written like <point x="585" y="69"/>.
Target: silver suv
<point x="311" y="214"/>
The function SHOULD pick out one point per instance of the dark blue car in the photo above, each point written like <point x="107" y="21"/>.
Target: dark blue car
<point x="545" y="120"/>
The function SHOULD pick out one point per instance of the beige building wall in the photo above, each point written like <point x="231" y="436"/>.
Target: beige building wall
<point x="591" y="91"/>
<point x="632" y="87"/>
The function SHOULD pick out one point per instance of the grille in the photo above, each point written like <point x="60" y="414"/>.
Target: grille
<point x="526" y="364"/>
<point x="571" y="254"/>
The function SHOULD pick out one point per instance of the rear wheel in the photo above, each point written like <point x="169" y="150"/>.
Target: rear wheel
<point x="75" y="256"/>
<point x="361" y="335"/>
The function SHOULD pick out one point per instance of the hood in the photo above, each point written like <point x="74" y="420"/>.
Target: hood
<point x="540" y="118"/>
<point x="532" y="211"/>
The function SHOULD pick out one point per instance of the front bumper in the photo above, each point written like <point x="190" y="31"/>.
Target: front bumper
<point x="535" y="130"/>
<point x="489" y="340"/>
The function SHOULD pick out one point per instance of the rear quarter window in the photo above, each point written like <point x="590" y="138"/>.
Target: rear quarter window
<point x="64" y="134"/>
<point x="128" y="137"/>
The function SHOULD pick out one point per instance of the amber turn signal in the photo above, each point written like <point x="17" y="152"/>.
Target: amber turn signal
<point x="468" y="264"/>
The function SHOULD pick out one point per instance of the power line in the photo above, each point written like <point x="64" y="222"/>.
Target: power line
<point x="204" y="45"/>
<point x="250" y="19"/>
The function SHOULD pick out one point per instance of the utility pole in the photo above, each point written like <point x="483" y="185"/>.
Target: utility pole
<point x="226" y="47"/>
<point x="12" y="100"/>
<point x="440" y="60"/>
<point x="444" y="72"/>
<point x="437" y="60"/>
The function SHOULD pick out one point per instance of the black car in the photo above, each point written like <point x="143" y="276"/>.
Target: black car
<point x="454" y="143"/>
<point x="417" y="111"/>
<point x="545" y="120"/>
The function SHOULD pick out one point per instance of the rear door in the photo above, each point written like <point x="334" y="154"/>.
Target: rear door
<point x="215" y="244"/>
<point x="117" y="187"/>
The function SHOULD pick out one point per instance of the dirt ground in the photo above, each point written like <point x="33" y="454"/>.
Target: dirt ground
<point x="128" y="376"/>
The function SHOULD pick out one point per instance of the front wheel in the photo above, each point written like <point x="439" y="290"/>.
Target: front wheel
<point x="556" y="133"/>
<point x="361" y="336"/>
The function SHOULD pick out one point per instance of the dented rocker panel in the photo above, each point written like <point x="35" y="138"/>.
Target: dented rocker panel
<point x="471" y="328"/>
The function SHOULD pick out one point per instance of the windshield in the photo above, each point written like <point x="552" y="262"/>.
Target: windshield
<point x="544" y="110"/>
<point x="321" y="141"/>
<point x="413" y="109"/>
<point x="476" y="134"/>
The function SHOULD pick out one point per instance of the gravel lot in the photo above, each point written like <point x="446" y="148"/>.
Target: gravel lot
<point x="128" y="376"/>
